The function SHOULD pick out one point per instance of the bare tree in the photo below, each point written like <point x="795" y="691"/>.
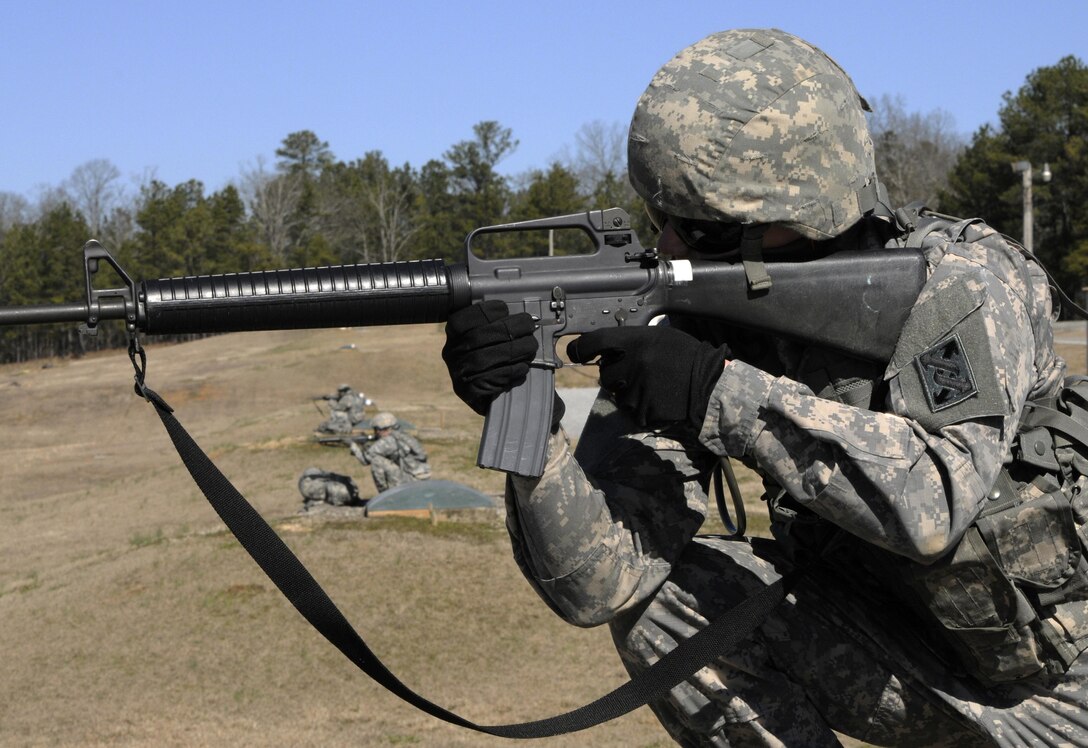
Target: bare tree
<point x="600" y="154"/>
<point x="392" y="199"/>
<point x="14" y="208"/>
<point x="94" y="191"/>
<point x="120" y="225"/>
<point x="367" y="210"/>
<point x="272" y="200"/>
<point x="914" y="152"/>
<point x="49" y="197"/>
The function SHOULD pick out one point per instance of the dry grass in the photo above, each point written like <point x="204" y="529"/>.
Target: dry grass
<point x="130" y="617"/>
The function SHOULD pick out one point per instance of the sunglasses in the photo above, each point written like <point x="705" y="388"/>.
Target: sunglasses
<point x="704" y="237"/>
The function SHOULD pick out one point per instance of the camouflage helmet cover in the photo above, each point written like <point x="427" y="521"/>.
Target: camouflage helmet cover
<point x="756" y="126"/>
<point x="384" y="420"/>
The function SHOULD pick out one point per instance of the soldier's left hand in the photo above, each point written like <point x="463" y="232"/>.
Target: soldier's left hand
<point x="660" y="374"/>
<point x="487" y="351"/>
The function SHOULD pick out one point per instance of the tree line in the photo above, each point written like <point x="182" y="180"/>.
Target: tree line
<point x="311" y="208"/>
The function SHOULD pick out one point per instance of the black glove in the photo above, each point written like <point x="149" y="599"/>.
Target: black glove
<point x="660" y="374"/>
<point x="487" y="351"/>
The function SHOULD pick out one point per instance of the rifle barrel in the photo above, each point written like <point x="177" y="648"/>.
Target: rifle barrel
<point x="46" y="313"/>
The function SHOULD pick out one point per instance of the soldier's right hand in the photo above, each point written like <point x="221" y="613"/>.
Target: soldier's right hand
<point x="488" y="351"/>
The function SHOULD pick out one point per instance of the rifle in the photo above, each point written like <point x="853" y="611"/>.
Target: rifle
<point x="853" y="302"/>
<point x="344" y="439"/>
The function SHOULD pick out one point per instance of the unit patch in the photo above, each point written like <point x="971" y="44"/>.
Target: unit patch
<point x="946" y="374"/>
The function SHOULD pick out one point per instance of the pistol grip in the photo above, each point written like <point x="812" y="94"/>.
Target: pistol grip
<point x="518" y="425"/>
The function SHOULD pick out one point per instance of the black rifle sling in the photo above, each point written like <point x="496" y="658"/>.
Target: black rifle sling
<point x="303" y="591"/>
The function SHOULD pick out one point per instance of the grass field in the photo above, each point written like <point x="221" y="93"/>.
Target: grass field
<point x="131" y="617"/>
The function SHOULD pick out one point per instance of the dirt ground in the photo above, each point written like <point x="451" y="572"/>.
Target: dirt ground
<point x="131" y="617"/>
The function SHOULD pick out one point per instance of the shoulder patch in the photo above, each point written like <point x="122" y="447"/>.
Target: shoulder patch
<point x="945" y="373"/>
<point x="943" y="365"/>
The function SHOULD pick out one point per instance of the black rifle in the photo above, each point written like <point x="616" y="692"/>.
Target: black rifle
<point x="853" y="302"/>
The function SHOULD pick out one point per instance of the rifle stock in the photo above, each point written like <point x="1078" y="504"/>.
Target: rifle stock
<point x="853" y="302"/>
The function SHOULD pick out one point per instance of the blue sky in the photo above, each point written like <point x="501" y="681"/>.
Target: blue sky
<point x="201" y="90"/>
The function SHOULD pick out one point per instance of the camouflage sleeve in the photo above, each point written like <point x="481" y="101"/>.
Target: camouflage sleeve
<point x="598" y="533"/>
<point x="386" y="447"/>
<point x="358" y="453"/>
<point x="912" y="479"/>
<point x="412" y="446"/>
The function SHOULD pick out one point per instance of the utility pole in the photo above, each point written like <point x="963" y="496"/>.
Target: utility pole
<point x="1024" y="168"/>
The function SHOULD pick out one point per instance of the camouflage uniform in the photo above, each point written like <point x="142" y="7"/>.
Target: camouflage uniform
<point x="871" y="481"/>
<point x="347" y="407"/>
<point x="394" y="459"/>
<point x="608" y="535"/>
<point x="354" y="404"/>
<point x="338" y="422"/>
<point x="320" y="486"/>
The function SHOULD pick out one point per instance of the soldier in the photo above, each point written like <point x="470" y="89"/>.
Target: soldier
<point x="347" y="408"/>
<point x="394" y="457"/>
<point x="941" y="599"/>
<point x="320" y="486"/>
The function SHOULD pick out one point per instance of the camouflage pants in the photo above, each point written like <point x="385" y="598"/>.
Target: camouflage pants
<point x="317" y="485"/>
<point x="816" y="665"/>
<point x="338" y="422"/>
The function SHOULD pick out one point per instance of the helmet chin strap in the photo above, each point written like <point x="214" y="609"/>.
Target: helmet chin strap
<point x="751" y="254"/>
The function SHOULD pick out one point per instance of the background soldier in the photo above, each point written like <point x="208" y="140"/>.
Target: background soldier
<point x="394" y="457"/>
<point x="941" y="600"/>
<point x="347" y="408"/>
<point x="320" y="486"/>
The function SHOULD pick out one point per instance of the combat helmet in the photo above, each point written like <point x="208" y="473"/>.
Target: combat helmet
<point x="383" y="420"/>
<point x="754" y="126"/>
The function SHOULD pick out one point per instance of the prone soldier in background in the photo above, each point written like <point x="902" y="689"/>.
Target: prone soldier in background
<point x="394" y="457"/>
<point x="943" y="595"/>
<point x="319" y="486"/>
